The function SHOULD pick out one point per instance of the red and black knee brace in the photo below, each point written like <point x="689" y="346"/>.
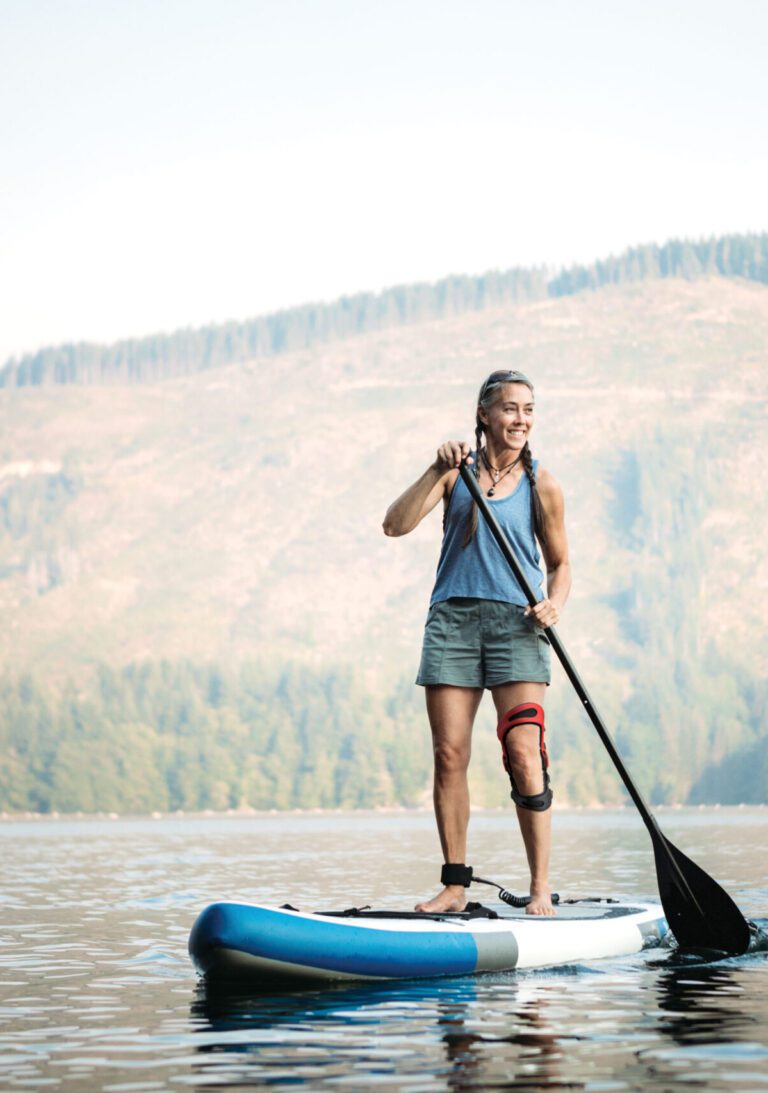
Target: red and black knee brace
<point x="527" y="713"/>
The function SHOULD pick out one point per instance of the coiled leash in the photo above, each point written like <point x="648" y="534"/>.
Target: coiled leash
<point x="455" y="873"/>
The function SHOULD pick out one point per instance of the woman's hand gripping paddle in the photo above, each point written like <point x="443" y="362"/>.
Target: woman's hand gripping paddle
<point x="700" y="913"/>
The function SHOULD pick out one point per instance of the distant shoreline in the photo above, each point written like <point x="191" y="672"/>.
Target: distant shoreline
<point x="248" y="814"/>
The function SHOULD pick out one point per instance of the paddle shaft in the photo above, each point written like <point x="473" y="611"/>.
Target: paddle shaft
<point x="578" y="684"/>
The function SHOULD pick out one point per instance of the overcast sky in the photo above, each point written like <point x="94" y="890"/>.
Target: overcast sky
<point x="175" y="162"/>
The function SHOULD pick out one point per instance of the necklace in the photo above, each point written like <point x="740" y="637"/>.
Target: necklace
<point x="498" y="473"/>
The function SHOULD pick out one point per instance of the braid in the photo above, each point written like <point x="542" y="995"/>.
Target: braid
<point x="537" y="512"/>
<point x="472" y="522"/>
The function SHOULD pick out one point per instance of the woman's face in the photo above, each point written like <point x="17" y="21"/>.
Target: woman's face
<point x="509" y="419"/>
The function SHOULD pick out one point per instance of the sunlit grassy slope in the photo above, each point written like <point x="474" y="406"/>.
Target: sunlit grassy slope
<point x="236" y="515"/>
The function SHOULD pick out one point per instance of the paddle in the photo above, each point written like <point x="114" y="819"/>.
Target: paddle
<point x="700" y="913"/>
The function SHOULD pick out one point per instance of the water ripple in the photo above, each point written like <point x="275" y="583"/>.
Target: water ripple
<point x="97" y="992"/>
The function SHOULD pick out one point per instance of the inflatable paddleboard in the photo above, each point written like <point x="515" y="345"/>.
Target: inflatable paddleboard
<point x="268" y="945"/>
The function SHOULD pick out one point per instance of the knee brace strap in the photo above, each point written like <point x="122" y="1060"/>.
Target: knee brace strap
<point x="527" y="713"/>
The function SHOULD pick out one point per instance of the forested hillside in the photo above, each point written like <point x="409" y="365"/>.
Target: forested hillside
<point x="161" y="356"/>
<point x="201" y="610"/>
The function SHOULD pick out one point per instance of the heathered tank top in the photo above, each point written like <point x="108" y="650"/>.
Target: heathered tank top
<point x="480" y="571"/>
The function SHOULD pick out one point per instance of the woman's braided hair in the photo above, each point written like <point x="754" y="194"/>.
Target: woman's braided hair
<point x="489" y="392"/>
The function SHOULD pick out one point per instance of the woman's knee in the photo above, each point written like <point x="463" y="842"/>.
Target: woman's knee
<point x="451" y="757"/>
<point x="523" y="757"/>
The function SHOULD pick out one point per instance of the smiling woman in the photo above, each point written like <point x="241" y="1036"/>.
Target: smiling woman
<point x="481" y="634"/>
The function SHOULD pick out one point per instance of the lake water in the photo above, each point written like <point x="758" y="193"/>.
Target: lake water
<point x="97" y="991"/>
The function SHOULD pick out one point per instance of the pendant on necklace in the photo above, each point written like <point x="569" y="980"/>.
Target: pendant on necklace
<point x="491" y="491"/>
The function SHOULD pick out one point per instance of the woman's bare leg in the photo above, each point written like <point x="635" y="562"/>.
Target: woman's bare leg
<point x="525" y="758"/>
<point x="451" y="712"/>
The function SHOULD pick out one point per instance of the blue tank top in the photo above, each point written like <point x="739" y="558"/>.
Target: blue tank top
<point x="480" y="571"/>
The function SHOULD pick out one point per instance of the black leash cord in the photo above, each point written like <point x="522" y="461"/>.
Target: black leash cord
<point x="509" y="897"/>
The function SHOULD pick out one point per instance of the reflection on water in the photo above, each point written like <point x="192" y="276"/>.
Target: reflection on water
<point x="97" y="992"/>
<point x="712" y="1027"/>
<point x="695" y="1006"/>
<point x="651" y="1024"/>
<point x="451" y="1033"/>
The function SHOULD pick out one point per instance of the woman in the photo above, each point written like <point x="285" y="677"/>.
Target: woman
<point x="480" y="632"/>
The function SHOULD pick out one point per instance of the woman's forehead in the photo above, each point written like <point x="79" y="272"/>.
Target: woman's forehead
<point x="515" y="392"/>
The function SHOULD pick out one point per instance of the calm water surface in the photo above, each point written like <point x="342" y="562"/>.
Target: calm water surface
<point x="97" y="992"/>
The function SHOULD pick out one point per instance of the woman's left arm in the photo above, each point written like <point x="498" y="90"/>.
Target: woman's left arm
<point x="555" y="551"/>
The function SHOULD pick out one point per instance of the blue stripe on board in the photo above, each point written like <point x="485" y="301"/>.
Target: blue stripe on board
<point x="318" y="943"/>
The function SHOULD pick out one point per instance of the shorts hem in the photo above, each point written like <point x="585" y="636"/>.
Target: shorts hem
<point x="482" y="685"/>
<point x="473" y="684"/>
<point x="518" y="679"/>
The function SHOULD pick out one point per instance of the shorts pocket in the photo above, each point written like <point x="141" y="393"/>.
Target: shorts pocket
<point x="433" y="613"/>
<point x="437" y="624"/>
<point x="543" y="646"/>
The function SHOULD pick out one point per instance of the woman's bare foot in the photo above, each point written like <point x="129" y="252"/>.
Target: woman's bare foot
<point x="541" y="901"/>
<point x="452" y="898"/>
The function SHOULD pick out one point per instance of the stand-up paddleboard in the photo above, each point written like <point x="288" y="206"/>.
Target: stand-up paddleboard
<point x="268" y="945"/>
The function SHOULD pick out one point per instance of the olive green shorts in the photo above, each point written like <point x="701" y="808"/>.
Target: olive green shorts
<point x="482" y="643"/>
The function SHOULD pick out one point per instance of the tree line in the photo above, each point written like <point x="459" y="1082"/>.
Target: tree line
<point x="167" y="736"/>
<point x="160" y="356"/>
<point x="164" y="736"/>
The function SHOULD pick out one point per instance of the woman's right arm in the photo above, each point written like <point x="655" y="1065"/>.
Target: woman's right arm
<point x="407" y="512"/>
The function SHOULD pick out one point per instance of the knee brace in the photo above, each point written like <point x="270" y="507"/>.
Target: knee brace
<point x="527" y="713"/>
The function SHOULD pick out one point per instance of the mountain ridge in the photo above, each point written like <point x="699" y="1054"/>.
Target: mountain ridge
<point x="187" y="350"/>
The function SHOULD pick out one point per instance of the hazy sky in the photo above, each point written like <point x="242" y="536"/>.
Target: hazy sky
<point x="173" y="162"/>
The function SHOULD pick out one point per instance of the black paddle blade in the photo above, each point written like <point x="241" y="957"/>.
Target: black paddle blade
<point x="700" y="913"/>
